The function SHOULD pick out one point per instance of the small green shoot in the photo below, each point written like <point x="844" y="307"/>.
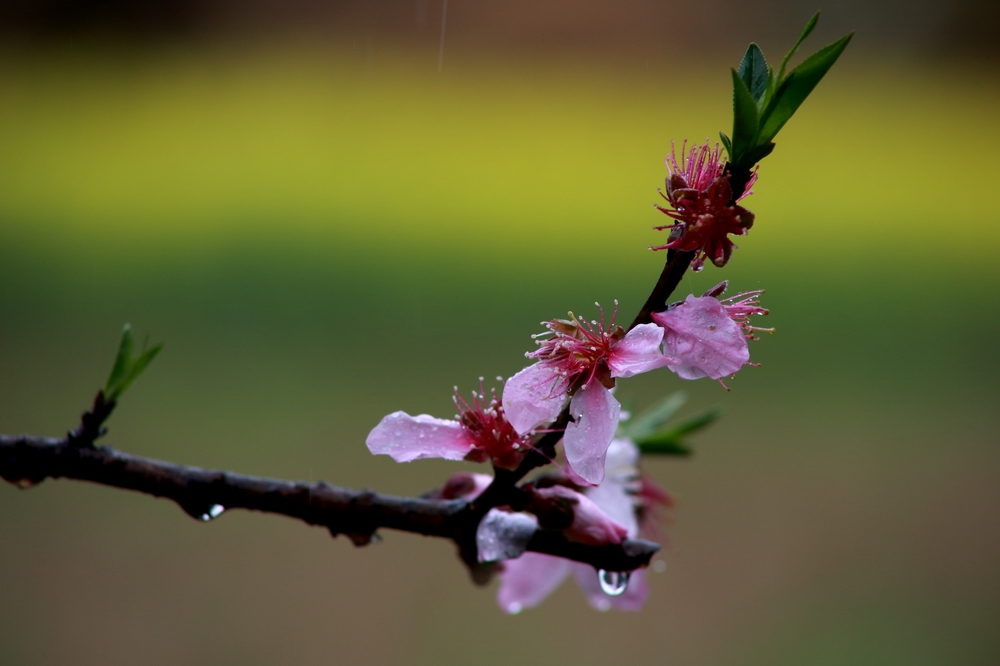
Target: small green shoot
<point x="127" y="368"/>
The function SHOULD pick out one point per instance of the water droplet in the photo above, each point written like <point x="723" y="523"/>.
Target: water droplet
<point x="514" y="608"/>
<point x="613" y="583"/>
<point x="213" y="512"/>
<point x="659" y="566"/>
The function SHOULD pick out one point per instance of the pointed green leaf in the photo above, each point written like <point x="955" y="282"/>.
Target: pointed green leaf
<point x="655" y="417"/>
<point x="122" y="360"/>
<point x="745" y="120"/>
<point x="794" y="89"/>
<point x="753" y="71"/>
<point x="805" y="33"/>
<point x="138" y="366"/>
<point x="758" y="153"/>
<point x="671" y="441"/>
<point x="727" y="144"/>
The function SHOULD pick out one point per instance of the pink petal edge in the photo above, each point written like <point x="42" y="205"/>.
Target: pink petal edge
<point x="595" y="412"/>
<point x="638" y="352"/>
<point x="405" y="438"/>
<point x="526" y="581"/>
<point x="528" y="401"/>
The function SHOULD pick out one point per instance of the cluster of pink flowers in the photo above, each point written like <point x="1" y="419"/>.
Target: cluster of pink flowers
<point x="579" y="361"/>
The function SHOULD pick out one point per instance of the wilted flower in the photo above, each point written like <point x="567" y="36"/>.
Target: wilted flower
<point x="699" y="193"/>
<point x="581" y="359"/>
<point x="480" y="433"/>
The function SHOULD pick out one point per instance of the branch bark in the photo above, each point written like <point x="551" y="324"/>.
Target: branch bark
<point x="26" y="461"/>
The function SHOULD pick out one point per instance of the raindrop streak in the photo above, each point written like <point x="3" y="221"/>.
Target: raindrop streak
<point x="216" y="510"/>
<point x="613" y="583"/>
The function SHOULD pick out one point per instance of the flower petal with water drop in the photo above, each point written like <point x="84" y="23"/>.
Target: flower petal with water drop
<point x="405" y="438"/>
<point x="638" y="352"/>
<point x="595" y="415"/>
<point x="528" y="398"/>
<point x="702" y="339"/>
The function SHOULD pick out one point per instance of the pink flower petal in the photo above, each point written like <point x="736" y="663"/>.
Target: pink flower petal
<point x="526" y="581"/>
<point x="528" y="401"/>
<point x="595" y="412"/>
<point x="591" y="525"/>
<point x="614" y="500"/>
<point x="703" y="339"/>
<point x="638" y="352"/>
<point x="631" y="599"/>
<point x="503" y="535"/>
<point x="405" y="438"/>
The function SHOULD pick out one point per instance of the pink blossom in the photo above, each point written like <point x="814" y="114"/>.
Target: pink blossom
<point x="699" y="194"/>
<point x="701" y="339"/>
<point x="581" y="359"/>
<point x="481" y="433"/>
<point x="527" y="580"/>
<point x="707" y="336"/>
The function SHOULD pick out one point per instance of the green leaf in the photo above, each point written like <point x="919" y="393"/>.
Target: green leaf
<point x="753" y="71"/>
<point x="126" y="368"/>
<point x="727" y="144"/>
<point x="138" y="365"/>
<point x="122" y="360"/>
<point x="655" y="417"/>
<point x="758" y="153"/>
<point x="671" y="441"/>
<point x="793" y="90"/>
<point x="745" y="120"/>
<point x="805" y="33"/>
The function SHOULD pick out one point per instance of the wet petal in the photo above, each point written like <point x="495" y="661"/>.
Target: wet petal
<point x="631" y="599"/>
<point x="405" y="438"/>
<point x="528" y="401"/>
<point x="702" y="338"/>
<point x="526" y="581"/>
<point x="595" y="412"/>
<point x="638" y="352"/>
<point x="503" y="535"/>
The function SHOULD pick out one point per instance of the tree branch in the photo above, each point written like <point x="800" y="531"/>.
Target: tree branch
<point x="26" y="461"/>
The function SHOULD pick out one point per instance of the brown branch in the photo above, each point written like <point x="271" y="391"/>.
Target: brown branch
<point x="26" y="461"/>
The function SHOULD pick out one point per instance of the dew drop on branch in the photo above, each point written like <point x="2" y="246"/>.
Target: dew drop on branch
<point x="613" y="583"/>
<point x="213" y="512"/>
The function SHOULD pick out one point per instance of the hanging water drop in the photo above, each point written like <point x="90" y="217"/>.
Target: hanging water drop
<point x="613" y="583"/>
<point x="213" y="512"/>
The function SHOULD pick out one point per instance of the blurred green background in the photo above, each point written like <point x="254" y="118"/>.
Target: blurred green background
<point x="325" y="229"/>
